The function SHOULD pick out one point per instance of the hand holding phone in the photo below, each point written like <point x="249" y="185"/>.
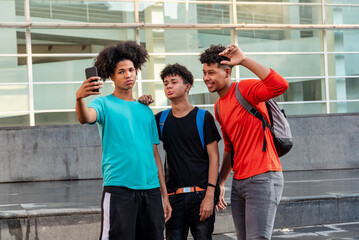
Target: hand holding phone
<point x="92" y="72"/>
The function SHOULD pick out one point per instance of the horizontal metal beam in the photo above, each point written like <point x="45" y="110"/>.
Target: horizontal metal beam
<point x="240" y="26"/>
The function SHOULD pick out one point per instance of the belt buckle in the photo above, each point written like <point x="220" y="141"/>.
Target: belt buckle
<point x="187" y="189"/>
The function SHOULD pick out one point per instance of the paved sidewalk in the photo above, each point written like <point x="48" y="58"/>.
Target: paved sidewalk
<point x="345" y="231"/>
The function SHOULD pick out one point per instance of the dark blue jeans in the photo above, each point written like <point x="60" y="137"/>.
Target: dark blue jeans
<point x="185" y="216"/>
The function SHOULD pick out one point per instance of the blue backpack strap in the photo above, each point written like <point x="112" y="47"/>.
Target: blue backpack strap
<point x="163" y="118"/>
<point x="200" y="124"/>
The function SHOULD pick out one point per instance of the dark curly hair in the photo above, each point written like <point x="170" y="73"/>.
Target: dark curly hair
<point x="177" y="69"/>
<point x="108" y="58"/>
<point x="210" y="55"/>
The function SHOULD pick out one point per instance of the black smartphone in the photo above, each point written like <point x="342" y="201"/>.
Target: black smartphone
<point x="92" y="72"/>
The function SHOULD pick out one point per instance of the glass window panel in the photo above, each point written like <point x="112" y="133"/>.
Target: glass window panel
<point x="176" y="40"/>
<point x="154" y="66"/>
<point x="344" y="107"/>
<point x="198" y="95"/>
<point x="303" y="90"/>
<point x="278" y="14"/>
<point x="342" y="14"/>
<point x="289" y="65"/>
<point x="12" y="41"/>
<point x="62" y="96"/>
<point x="60" y="69"/>
<point x="12" y="11"/>
<point x="58" y="118"/>
<point x="181" y="13"/>
<point x="304" y="108"/>
<point x="13" y="70"/>
<point x="345" y="40"/>
<point x="344" y="88"/>
<point x="280" y="40"/>
<point x="12" y="120"/>
<point x="77" y="40"/>
<point x="82" y="11"/>
<point x="343" y="64"/>
<point x="14" y="98"/>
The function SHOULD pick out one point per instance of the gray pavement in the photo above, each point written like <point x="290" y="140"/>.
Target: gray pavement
<point x="87" y="193"/>
<point x="21" y="200"/>
<point x="344" y="231"/>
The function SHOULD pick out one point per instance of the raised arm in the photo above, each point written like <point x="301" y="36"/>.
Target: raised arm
<point x="237" y="57"/>
<point x="84" y="113"/>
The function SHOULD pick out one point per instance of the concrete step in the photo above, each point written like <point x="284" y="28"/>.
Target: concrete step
<point x="71" y="209"/>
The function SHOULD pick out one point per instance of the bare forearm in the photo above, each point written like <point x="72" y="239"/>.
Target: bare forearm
<point x="213" y="154"/>
<point x="226" y="167"/>
<point x="160" y="172"/>
<point x="83" y="112"/>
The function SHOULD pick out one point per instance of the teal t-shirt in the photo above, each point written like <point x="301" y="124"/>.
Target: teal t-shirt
<point x="128" y="131"/>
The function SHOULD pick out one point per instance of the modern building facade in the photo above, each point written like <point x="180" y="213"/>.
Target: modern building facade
<point x="45" y="45"/>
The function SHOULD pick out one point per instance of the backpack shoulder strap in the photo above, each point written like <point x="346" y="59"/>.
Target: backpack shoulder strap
<point x="253" y="111"/>
<point x="163" y="118"/>
<point x="200" y="124"/>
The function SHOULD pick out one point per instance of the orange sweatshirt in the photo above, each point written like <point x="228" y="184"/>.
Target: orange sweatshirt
<point x="244" y="131"/>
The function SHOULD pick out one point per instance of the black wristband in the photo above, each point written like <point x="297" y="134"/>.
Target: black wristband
<point x="211" y="185"/>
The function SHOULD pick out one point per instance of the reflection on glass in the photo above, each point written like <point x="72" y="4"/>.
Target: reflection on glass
<point x="13" y="70"/>
<point x="304" y="108"/>
<point x="289" y="65"/>
<point x="189" y="40"/>
<point x="303" y="90"/>
<point x="342" y="14"/>
<point x="344" y="88"/>
<point x="61" y="96"/>
<point x="280" y="40"/>
<point x="82" y="11"/>
<point x="343" y="64"/>
<point x="345" y="40"/>
<point x="14" y="98"/>
<point x="12" y="41"/>
<point x="181" y="13"/>
<point x="59" y="118"/>
<point x="52" y="41"/>
<point x="60" y="69"/>
<point x="344" y="107"/>
<point x="7" y="120"/>
<point x="278" y="14"/>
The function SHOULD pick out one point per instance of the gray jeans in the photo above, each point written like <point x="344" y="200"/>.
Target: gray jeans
<point x="254" y="204"/>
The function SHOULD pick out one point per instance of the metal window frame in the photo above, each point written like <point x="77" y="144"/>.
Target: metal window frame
<point x="137" y="25"/>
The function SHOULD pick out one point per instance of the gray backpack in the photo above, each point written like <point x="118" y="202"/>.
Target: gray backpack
<point x="280" y="129"/>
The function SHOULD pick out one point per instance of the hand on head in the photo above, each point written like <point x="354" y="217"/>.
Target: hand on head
<point x="234" y="53"/>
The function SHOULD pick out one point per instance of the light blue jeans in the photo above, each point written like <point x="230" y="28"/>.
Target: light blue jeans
<point x="254" y="204"/>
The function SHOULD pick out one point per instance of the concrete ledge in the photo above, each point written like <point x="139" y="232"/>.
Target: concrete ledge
<point x="82" y="223"/>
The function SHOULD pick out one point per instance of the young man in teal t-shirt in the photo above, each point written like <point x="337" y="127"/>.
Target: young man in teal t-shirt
<point x="132" y="172"/>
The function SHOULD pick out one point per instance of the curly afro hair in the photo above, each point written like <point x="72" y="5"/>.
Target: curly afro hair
<point x="108" y="58"/>
<point x="179" y="70"/>
<point x="210" y="55"/>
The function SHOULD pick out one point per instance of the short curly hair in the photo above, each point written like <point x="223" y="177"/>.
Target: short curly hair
<point x="108" y="58"/>
<point x="179" y="70"/>
<point x="210" y="55"/>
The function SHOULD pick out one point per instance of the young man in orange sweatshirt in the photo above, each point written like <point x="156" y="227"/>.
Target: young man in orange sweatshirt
<point x="258" y="180"/>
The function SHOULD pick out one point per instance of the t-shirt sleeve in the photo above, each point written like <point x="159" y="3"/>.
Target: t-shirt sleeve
<point x="154" y="131"/>
<point x="211" y="131"/>
<point x="98" y="105"/>
<point x="157" y="116"/>
<point x="256" y="91"/>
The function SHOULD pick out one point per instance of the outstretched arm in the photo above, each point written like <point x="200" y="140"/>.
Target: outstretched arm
<point x="166" y="203"/>
<point x="237" y="57"/>
<point x="84" y="113"/>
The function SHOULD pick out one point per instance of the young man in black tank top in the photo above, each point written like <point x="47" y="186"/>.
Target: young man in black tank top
<point x="191" y="169"/>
